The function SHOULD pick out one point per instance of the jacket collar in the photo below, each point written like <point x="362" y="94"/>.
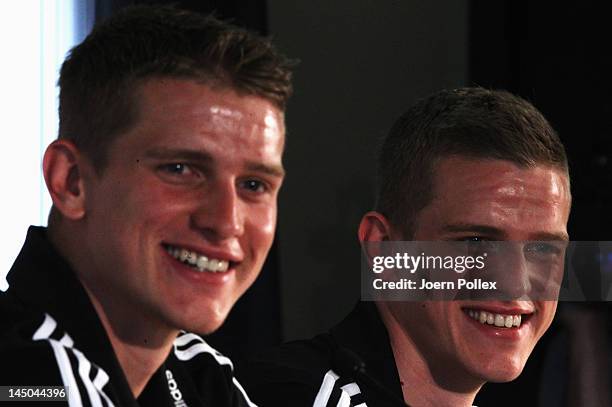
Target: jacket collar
<point x="41" y="280"/>
<point x="364" y="333"/>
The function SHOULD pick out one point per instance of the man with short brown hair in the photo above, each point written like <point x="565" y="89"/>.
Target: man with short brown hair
<point x="164" y="181"/>
<point x="461" y="165"/>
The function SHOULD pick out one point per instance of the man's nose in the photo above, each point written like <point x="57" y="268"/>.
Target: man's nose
<point x="219" y="215"/>
<point x="513" y="273"/>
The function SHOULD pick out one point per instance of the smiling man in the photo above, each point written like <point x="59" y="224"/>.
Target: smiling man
<point x="462" y="165"/>
<point x="164" y="180"/>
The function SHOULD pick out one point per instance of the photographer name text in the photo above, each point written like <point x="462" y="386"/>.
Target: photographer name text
<point x="460" y="284"/>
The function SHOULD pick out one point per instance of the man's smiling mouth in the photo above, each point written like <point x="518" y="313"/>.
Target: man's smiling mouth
<point x="197" y="261"/>
<point x="498" y="320"/>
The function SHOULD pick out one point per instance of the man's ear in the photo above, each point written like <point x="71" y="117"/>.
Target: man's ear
<point x="63" y="172"/>
<point x="373" y="230"/>
<point x="374" y="227"/>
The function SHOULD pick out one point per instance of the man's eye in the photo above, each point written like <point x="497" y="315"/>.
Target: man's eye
<point x="542" y="248"/>
<point x="479" y="244"/>
<point x="254" y="185"/>
<point x="179" y="173"/>
<point x="176" y="168"/>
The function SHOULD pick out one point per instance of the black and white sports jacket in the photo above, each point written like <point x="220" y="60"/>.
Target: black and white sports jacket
<point x="307" y="374"/>
<point x="50" y="335"/>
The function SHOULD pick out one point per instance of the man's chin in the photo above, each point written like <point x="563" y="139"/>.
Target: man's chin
<point x="205" y="321"/>
<point x="502" y="372"/>
<point x="212" y="324"/>
<point x="203" y="328"/>
<point x="208" y="328"/>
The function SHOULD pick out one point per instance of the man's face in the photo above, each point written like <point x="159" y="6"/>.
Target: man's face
<point x="489" y="200"/>
<point x="180" y="221"/>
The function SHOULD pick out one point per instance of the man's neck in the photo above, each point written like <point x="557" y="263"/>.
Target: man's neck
<point x="140" y="347"/>
<point x="419" y="387"/>
<point x="140" y="344"/>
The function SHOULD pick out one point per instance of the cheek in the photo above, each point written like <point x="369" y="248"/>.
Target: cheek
<point x="156" y="203"/>
<point x="261" y="223"/>
<point x="548" y="313"/>
<point x="421" y="319"/>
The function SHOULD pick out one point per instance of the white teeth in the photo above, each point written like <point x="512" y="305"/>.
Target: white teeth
<point x="498" y="320"/>
<point x="192" y="258"/>
<point x="198" y="261"/>
<point x="202" y="263"/>
<point x="483" y="317"/>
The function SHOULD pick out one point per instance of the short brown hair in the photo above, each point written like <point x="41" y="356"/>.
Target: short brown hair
<point x="469" y="122"/>
<point x="99" y="79"/>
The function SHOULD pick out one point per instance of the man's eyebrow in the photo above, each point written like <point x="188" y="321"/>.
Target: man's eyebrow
<point x="500" y="234"/>
<point x="474" y="228"/>
<point x="179" y="154"/>
<point x="544" y="236"/>
<point x="273" y="170"/>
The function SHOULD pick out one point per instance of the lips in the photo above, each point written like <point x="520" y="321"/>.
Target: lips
<point x="198" y="261"/>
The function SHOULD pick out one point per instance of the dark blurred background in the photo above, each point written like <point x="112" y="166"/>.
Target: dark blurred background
<point x="362" y="64"/>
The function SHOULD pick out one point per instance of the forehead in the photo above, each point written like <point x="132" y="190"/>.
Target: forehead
<point x="172" y="99"/>
<point x="498" y="194"/>
<point x="193" y="115"/>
